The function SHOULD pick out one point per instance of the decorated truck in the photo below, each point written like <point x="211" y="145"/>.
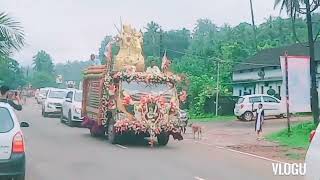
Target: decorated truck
<point x="123" y="98"/>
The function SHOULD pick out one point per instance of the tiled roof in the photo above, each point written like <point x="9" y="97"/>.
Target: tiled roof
<point x="270" y="57"/>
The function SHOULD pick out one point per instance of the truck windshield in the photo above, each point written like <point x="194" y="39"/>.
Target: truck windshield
<point x="135" y="87"/>
<point x="57" y="94"/>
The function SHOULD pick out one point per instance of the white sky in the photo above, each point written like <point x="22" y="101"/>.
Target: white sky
<point x="73" y="29"/>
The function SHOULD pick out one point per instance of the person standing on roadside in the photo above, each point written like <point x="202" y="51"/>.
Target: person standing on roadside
<point x="94" y="61"/>
<point x="259" y="121"/>
<point x="5" y="99"/>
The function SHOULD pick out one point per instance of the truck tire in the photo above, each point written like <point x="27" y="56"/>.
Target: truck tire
<point x="163" y="139"/>
<point x="112" y="136"/>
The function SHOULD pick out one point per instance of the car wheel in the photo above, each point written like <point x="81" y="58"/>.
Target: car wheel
<point x="112" y="136"/>
<point x="20" y="177"/>
<point x="163" y="139"/>
<point x="248" y="116"/>
<point x="70" y="122"/>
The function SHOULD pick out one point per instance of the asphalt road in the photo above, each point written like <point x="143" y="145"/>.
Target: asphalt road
<point x="56" y="151"/>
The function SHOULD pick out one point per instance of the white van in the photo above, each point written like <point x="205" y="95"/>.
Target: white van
<point x="247" y="104"/>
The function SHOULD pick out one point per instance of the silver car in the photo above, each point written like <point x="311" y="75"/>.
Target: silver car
<point x="313" y="157"/>
<point x="12" y="146"/>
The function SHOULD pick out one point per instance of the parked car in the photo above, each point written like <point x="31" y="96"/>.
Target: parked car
<point x="247" y="104"/>
<point x="42" y="95"/>
<point x="12" y="145"/>
<point x="71" y="107"/>
<point x="53" y="102"/>
<point x="312" y="159"/>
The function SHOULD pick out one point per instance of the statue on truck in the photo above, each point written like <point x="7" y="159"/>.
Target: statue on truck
<point x="121" y="98"/>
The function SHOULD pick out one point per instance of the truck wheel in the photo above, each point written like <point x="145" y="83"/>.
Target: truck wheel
<point x="70" y="122"/>
<point x="248" y="116"/>
<point x="112" y="136"/>
<point x="163" y="139"/>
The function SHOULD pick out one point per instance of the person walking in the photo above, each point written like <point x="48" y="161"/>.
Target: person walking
<point x="5" y="99"/>
<point x="259" y="121"/>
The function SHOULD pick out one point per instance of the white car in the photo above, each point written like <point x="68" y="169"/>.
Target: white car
<point x="313" y="157"/>
<point x="71" y="107"/>
<point x="12" y="145"/>
<point x="246" y="104"/>
<point x="53" y="103"/>
<point x="41" y="95"/>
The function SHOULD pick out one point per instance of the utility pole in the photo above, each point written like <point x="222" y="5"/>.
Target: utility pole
<point x="217" y="88"/>
<point x="253" y="27"/>
<point x="314" y="92"/>
<point x="287" y="92"/>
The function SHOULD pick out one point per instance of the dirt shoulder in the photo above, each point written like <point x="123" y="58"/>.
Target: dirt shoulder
<point x="239" y="135"/>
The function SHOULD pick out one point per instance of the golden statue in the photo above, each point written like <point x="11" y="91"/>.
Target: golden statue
<point x="130" y="53"/>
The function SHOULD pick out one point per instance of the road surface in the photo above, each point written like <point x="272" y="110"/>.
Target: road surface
<point x="56" y="151"/>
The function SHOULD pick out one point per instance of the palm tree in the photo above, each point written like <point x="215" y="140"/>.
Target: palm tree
<point x="305" y="7"/>
<point x="11" y="35"/>
<point x="153" y="30"/>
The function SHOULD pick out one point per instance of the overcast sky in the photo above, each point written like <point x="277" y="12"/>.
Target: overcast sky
<point x="73" y="29"/>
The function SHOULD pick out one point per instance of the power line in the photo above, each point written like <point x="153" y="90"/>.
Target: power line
<point x="224" y="61"/>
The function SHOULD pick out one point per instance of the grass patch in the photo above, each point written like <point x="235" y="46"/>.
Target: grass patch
<point x="294" y="156"/>
<point x="213" y="119"/>
<point x="299" y="137"/>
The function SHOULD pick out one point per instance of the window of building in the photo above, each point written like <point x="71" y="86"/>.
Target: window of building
<point x="240" y="92"/>
<point x="262" y="90"/>
<point x="279" y="90"/>
<point x="245" y="89"/>
<point x="250" y="91"/>
<point x="241" y="71"/>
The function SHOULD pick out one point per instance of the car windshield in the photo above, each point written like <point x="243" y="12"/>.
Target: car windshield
<point x="240" y="100"/>
<point x="6" y="122"/>
<point x="57" y="94"/>
<point x="135" y="87"/>
<point x="78" y="96"/>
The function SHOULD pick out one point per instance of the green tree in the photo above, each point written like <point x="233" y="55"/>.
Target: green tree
<point x="11" y="35"/>
<point x="305" y="7"/>
<point x="42" y="62"/>
<point x="42" y="79"/>
<point x="11" y="73"/>
<point x="102" y="48"/>
<point x="151" y="37"/>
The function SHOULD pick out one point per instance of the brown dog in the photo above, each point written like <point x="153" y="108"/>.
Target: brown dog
<point x="196" y="129"/>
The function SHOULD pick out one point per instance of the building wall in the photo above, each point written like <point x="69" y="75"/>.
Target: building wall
<point x="256" y="88"/>
<point x="253" y="74"/>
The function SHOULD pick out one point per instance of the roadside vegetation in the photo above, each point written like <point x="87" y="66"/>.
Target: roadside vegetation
<point x="299" y="137"/>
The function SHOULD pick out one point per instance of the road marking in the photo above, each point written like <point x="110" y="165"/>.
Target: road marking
<point x="240" y="152"/>
<point x="198" y="178"/>
<point x="120" y="146"/>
